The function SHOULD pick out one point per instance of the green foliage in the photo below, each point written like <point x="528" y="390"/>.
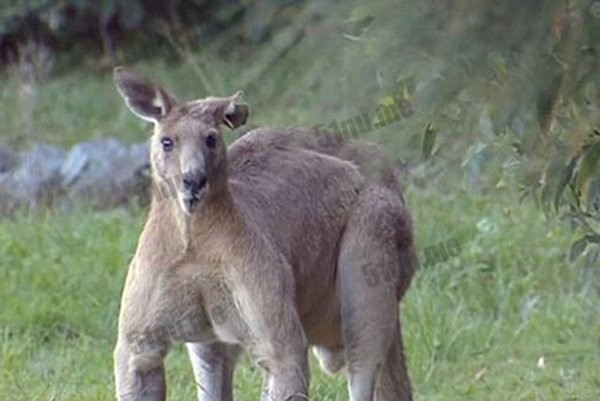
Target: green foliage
<point x="581" y="175"/>
<point x="531" y="107"/>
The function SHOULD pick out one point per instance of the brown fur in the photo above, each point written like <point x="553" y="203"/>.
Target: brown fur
<point x="276" y="240"/>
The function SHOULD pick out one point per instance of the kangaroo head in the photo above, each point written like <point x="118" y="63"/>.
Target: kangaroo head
<point x="187" y="147"/>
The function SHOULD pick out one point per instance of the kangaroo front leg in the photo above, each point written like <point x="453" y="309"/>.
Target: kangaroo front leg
<point x="274" y="336"/>
<point x="285" y="358"/>
<point x="289" y="380"/>
<point x="213" y="365"/>
<point x="139" y="377"/>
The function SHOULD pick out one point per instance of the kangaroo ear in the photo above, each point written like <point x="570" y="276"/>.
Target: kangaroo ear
<point x="234" y="114"/>
<point x="146" y="100"/>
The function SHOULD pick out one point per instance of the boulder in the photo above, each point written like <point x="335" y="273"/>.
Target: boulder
<point x="35" y="182"/>
<point x="8" y="159"/>
<point x="138" y="184"/>
<point x="104" y="172"/>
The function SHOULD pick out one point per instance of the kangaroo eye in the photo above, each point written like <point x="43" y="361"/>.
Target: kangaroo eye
<point x="211" y="141"/>
<point x="167" y="144"/>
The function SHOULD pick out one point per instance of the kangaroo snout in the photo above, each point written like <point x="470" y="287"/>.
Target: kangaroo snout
<point x="193" y="182"/>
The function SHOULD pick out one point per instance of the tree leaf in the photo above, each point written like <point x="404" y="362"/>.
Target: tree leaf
<point x="428" y="141"/>
<point x="593" y="196"/>
<point x="566" y="174"/>
<point x="577" y="248"/>
<point x="588" y="166"/>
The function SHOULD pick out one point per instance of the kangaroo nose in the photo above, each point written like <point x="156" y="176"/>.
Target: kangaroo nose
<point x="193" y="181"/>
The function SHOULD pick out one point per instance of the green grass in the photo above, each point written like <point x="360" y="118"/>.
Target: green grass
<point x="475" y="326"/>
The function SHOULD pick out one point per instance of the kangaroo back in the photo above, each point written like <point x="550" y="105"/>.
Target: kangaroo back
<point x="370" y="158"/>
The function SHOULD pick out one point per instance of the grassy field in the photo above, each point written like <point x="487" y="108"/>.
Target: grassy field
<point x="507" y="319"/>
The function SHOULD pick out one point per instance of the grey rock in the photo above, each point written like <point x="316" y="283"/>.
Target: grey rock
<point x="138" y="183"/>
<point x="140" y="154"/>
<point x="35" y="182"/>
<point x="103" y="171"/>
<point x="8" y="159"/>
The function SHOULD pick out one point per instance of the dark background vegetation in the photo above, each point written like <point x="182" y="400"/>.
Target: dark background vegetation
<point x="502" y="152"/>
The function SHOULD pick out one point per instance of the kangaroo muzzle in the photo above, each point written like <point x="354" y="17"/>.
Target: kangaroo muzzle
<point x="193" y="184"/>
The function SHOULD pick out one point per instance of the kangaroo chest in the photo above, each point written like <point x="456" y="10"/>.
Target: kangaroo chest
<point x="206" y="274"/>
<point x="227" y="323"/>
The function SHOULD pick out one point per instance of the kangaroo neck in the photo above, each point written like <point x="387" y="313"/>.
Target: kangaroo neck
<point x="216" y="219"/>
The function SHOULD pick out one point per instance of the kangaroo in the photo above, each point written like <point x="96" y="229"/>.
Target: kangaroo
<point x="275" y="244"/>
